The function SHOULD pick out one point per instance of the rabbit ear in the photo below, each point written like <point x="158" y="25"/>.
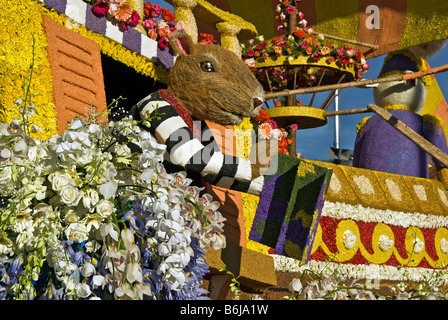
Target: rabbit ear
<point x="181" y="43"/>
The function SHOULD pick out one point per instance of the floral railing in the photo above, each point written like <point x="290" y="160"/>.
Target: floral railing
<point x="299" y="57"/>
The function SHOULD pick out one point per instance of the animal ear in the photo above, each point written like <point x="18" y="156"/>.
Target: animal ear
<point x="181" y="42"/>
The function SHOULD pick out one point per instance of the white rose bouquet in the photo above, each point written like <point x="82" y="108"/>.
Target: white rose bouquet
<point x="83" y="216"/>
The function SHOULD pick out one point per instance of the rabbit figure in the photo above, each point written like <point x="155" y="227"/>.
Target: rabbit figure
<point x="207" y="82"/>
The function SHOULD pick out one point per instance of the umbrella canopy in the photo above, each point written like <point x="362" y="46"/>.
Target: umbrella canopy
<point x="390" y="25"/>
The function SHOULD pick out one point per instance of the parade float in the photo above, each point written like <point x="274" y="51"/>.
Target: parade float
<point x="85" y="217"/>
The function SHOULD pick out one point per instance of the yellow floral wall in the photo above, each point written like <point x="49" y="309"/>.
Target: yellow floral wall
<point x="21" y="20"/>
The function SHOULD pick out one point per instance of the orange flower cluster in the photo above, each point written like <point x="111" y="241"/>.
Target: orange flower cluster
<point x="206" y="38"/>
<point x="268" y="129"/>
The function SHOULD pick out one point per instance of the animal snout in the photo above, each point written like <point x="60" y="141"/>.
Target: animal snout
<point x="257" y="101"/>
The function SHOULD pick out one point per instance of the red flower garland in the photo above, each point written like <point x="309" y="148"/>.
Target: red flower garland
<point x="329" y="226"/>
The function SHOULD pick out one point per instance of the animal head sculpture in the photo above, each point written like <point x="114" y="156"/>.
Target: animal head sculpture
<point x="213" y="83"/>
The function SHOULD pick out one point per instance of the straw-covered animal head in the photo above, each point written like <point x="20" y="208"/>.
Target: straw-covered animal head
<point x="213" y="83"/>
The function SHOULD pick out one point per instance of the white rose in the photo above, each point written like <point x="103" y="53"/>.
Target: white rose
<point x="105" y="208"/>
<point x="59" y="180"/>
<point x="419" y="245"/>
<point x="84" y="158"/>
<point x="69" y="195"/>
<point x="70" y="215"/>
<point x="76" y="231"/>
<point x="385" y="243"/>
<point x="444" y="245"/>
<point x="349" y="240"/>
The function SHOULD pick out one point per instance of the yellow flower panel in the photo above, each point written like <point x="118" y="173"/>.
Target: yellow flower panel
<point x="16" y="56"/>
<point x="367" y="187"/>
<point x="397" y="192"/>
<point x="429" y="194"/>
<point x="339" y="189"/>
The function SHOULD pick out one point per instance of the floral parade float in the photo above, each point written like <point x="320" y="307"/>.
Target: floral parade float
<point x="359" y="203"/>
<point x="161" y="237"/>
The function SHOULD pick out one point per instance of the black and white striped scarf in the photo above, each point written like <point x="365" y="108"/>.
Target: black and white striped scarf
<point x="191" y="145"/>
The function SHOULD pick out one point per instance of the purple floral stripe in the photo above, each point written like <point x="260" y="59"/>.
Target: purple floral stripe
<point x="95" y="23"/>
<point x="58" y="5"/>
<point x="132" y="40"/>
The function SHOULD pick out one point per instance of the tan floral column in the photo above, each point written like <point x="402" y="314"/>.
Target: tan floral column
<point x="184" y="12"/>
<point x="229" y="38"/>
<point x="138" y="6"/>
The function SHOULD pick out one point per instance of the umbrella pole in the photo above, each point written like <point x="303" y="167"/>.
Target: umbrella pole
<point x="428" y="147"/>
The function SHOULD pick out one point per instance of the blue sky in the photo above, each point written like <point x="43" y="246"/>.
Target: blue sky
<point x="315" y="143"/>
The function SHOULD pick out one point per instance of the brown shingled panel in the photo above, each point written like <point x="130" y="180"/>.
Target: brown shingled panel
<point x="232" y="209"/>
<point x="78" y="83"/>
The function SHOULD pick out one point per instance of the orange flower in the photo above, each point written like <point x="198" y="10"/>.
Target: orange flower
<point x="206" y="38"/>
<point x="278" y="50"/>
<point x="300" y="33"/>
<point x="309" y="50"/>
<point x="147" y="9"/>
<point x="168" y="15"/>
<point x="262" y="116"/>
<point x="264" y="130"/>
<point x="325" y="50"/>
<point x="123" y="12"/>
<point x="276" y="40"/>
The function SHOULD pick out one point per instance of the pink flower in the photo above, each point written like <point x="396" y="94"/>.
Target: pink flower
<point x="250" y="63"/>
<point x="281" y="44"/>
<point x="277" y="134"/>
<point x="156" y="10"/>
<point x="301" y="15"/>
<point x="250" y="53"/>
<point x="101" y="7"/>
<point x="350" y="52"/>
<point x="113" y="7"/>
<point x="366" y="66"/>
<point x="149" y="23"/>
<point x="273" y="124"/>
<point x="134" y="19"/>
<point x="181" y="26"/>
<point x="317" y="55"/>
<point x="290" y="9"/>
<point x="163" y="43"/>
<point x="294" y="126"/>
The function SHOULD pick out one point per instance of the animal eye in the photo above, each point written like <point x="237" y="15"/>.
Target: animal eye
<point x="207" y="66"/>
